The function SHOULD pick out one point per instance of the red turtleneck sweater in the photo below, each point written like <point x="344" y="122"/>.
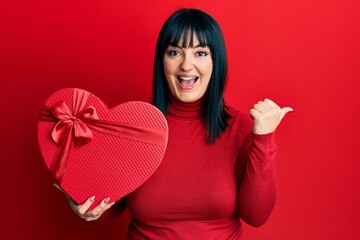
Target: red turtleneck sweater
<point x="201" y="190"/>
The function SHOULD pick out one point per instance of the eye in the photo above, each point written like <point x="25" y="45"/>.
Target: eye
<point x="172" y="52"/>
<point x="202" y="53"/>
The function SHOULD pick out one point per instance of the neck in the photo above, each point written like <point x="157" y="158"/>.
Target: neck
<point x="186" y="111"/>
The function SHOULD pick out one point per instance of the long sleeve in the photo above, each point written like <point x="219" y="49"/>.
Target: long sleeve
<point x="194" y="193"/>
<point x="258" y="189"/>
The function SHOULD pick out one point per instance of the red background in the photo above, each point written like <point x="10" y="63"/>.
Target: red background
<point x="304" y="54"/>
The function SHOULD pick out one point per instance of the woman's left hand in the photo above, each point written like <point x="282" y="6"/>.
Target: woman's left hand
<point x="267" y="116"/>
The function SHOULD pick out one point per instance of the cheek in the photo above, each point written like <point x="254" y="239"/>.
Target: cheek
<point x="166" y="67"/>
<point x="169" y="69"/>
<point x="207" y="74"/>
<point x="207" y="70"/>
<point x="210" y="69"/>
<point x="168" y="76"/>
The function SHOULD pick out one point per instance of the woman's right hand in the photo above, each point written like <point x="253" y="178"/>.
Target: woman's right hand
<point x="82" y="210"/>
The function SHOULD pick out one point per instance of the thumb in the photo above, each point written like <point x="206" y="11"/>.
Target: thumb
<point x="284" y="111"/>
<point x="56" y="185"/>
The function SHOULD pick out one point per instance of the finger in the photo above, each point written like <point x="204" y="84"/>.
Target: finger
<point x="109" y="205"/>
<point x="81" y="209"/>
<point x="272" y="103"/>
<point x="99" y="209"/>
<point x="259" y="107"/>
<point x="254" y="113"/>
<point x="58" y="187"/>
<point x="66" y="195"/>
<point x="284" y="111"/>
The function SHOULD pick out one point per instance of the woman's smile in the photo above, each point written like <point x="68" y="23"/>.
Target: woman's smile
<point x="188" y="70"/>
<point x="187" y="82"/>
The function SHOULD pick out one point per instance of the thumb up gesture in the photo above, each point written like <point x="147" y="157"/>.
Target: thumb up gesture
<point x="267" y="116"/>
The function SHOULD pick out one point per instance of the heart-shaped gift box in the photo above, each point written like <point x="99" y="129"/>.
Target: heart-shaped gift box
<point x="95" y="151"/>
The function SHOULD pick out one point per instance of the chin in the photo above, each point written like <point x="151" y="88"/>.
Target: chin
<point x="188" y="99"/>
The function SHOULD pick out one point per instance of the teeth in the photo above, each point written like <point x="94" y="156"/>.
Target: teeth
<point x="187" y="78"/>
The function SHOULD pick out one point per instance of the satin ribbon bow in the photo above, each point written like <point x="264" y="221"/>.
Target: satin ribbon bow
<point x="72" y="125"/>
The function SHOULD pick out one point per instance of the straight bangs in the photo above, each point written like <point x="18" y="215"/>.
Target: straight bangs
<point x="185" y="30"/>
<point x="186" y="36"/>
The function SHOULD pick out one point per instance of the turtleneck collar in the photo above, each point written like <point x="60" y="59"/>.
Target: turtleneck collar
<point x="185" y="111"/>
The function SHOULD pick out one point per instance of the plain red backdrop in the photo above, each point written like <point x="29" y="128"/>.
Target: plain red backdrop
<point x="304" y="54"/>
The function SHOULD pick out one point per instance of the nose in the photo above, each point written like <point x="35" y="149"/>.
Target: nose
<point x="187" y="63"/>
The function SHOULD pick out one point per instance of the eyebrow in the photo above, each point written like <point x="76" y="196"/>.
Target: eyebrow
<point x="197" y="46"/>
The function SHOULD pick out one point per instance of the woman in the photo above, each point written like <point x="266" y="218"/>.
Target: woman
<point x="219" y="164"/>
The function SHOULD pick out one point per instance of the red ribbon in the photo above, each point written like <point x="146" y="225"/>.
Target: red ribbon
<point x="76" y="127"/>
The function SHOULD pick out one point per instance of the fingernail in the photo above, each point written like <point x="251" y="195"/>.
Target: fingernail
<point x="92" y="198"/>
<point x="106" y="201"/>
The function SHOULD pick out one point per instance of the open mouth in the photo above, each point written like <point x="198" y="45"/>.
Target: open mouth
<point x="187" y="82"/>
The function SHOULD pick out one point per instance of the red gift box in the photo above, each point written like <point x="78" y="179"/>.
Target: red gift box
<point x="95" y="151"/>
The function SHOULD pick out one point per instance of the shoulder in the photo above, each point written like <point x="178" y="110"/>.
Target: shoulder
<point x="240" y="123"/>
<point x="238" y="116"/>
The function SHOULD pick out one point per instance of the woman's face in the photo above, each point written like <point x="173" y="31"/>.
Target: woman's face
<point x="188" y="70"/>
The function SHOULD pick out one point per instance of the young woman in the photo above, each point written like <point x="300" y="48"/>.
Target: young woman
<point x="219" y="163"/>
